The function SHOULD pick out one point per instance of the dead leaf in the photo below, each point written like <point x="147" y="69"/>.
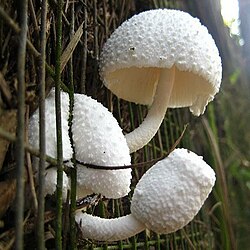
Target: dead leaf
<point x="7" y="195"/>
<point x="67" y="53"/>
<point x="4" y="87"/>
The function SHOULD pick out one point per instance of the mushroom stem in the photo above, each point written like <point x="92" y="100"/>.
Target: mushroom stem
<point x="139" y="137"/>
<point x="97" y="228"/>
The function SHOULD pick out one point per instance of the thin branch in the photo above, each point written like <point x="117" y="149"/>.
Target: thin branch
<point x="29" y="226"/>
<point x="33" y="17"/>
<point x="29" y="165"/>
<point x="10" y="137"/>
<point x="59" y="125"/>
<point x="73" y="172"/>
<point x="9" y="21"/>
<point x="31" y="180"/>
<point x="20" y="151"/>
<point x="96" y="45"/>
<point x="84" y="50"/>
<point x="13" y="25"/>
<point x="42" y="131"/>
<point x="96" y="48"/>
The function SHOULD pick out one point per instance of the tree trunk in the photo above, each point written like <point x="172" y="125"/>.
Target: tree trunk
<point x="209" y="12"/>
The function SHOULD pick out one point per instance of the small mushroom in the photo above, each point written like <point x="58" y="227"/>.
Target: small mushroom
<point x="163" y="58"/>
<point x="51" y="141"/>
<point x="166" y="198"/>
<point x="99" y="140"/>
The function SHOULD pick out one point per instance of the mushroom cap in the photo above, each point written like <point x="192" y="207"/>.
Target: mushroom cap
<point x="99" y="140"/>
<point x="132" y="58"/>
<point x="51" y="180"/>
<point x="50" y="127"/>
<point x="171" y="193"/>
<point x="51" y="141"/>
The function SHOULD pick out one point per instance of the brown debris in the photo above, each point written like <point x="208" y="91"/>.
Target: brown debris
<point x="7" y="195"/>
<point x="8" y="123"/>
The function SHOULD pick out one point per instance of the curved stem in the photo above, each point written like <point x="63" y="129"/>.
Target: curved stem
<point x="139" y="137"/>
<point x="97" y="228"/>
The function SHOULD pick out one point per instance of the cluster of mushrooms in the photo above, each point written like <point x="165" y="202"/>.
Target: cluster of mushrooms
<point x="162" y="58"/>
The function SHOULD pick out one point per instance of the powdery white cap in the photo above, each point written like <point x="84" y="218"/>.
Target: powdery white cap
<point x="98" y="140"/>
<point x="50" y="126"/>
<point x="51" y="179"/>
<point x="135" y="53"/>
<point x="171" y="193"/>
<point x="50" y="136"/>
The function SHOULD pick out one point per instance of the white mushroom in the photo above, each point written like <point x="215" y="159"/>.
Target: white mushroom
<point x="51" y="141"/>
<point x="98" y="140"/>
<point x="163" y="58"/>
<point x="51" y="180"/>
<point x="166" y="198"/>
